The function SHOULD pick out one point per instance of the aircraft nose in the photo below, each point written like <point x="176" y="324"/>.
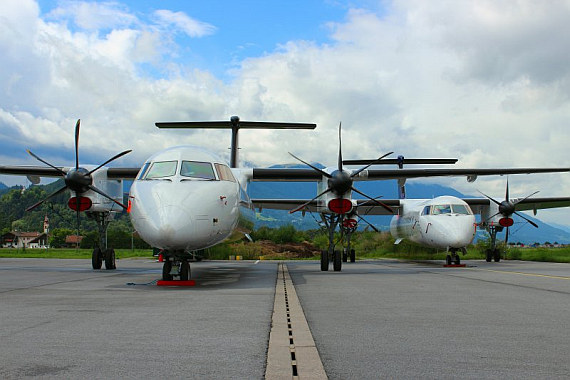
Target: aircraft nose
<point x="460" y="233"/>
<point x="172" y="227"/>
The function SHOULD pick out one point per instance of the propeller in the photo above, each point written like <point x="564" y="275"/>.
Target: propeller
<point x="79" y="180"/>
<point x="340" y="182"/>
<point x="507" y="208"/>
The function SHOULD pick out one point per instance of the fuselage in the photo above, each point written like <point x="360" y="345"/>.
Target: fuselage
<point x="444" y="222"/>
<point x="186" y="198"/>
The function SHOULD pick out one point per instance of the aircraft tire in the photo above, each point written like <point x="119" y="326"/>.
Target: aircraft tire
<point x="344" y="256"/>
<point x="184" y="271"/>
<point x="110" y="259"/>
<point x="166" y="276"/>
<point x="337" y="261"/>
<point x="497" y="255"/>
<point x="457" y="259"/>
<point x="352" y="256"/>
<point x="324" y="261"/>
<point x="448" y="259"/>
<point x="96" y="259"/>
<point x="488" y="255"/>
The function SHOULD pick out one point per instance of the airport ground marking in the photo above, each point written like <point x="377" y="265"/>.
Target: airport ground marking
<point x="292" y="353"/>
<point x="528" y="274"/>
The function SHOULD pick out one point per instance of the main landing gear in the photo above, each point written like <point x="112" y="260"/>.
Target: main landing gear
<point x="493" y="253"/>
<point x="331" y="221"/>
<point x="102" y="253"/>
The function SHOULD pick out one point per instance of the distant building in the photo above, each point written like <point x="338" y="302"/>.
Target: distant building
<point x="73" y="241"/>
<point x="17" y="239"/>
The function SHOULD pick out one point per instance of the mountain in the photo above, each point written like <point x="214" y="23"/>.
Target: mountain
<point x="521" y="232"/>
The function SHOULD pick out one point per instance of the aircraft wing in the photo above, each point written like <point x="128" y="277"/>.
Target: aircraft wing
<point x="45" y="171"/>
<point x="298" y="175"/>
<point x="365" y="207"/>
<point x="477" y="204"/>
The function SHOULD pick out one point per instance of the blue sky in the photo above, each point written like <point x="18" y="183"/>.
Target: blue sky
<point x="479" y="80"/>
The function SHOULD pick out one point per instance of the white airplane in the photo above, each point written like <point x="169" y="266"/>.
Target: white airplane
<point x="185" y="198"/>
<point x="446" y="223"/>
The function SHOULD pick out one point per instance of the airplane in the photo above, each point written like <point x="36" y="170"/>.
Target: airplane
<point x="184" y="199"/>
<point x="445" y="223"/>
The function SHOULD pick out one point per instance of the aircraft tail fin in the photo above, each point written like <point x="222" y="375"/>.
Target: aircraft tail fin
<point x="235" y="124"/>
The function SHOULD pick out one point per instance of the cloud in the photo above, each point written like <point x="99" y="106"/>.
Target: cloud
<point x="182" y="22"/>
<point x="482" y="81"/>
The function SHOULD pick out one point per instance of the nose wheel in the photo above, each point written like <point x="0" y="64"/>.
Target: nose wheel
<point x="175" y="268"/>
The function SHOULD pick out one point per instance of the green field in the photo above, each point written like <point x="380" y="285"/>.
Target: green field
<point x="250" y="251"/>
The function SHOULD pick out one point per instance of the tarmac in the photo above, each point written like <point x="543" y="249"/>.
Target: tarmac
<point x="375" y="319"/>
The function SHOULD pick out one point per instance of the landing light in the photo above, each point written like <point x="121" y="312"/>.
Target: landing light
<point x="506" y="222"/>
<point x="349" y="223"/>
<point x="83" y="204"/>
<point x="340" y="205"/>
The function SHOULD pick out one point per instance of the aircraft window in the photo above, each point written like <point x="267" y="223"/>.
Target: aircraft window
<point x="461" y="209"/>
<point x="143" y="170"/>
<point x="441" y="209"/>
<point x="196" y="169"/>
<point x="426" y="210"/>
<point x="162" y="169"/>
<point x="224" y="173"/>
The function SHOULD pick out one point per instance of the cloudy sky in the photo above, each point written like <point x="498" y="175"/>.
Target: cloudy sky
<point x="487" y="82"/>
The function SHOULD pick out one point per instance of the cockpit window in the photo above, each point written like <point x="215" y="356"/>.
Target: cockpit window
<point x="161" y="169"/>
<point x="196" y="169"/>
<point x="143" y="170"/>
<point x="426" y="210"/>
<point x="440" y="209"/>
<point x="447" y="209"/>
<point x="461" y="209"/>
<point x="224" y="173"/>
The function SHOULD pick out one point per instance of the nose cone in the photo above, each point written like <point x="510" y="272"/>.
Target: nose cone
<point x="160" y="215"/>
<point x="171" y="228"/>
<point x="461" y="232"/>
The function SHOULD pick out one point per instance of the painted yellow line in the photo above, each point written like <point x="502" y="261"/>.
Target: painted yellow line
<point x="527" y="274"/>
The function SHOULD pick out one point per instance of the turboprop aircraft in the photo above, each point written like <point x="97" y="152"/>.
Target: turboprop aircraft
<point x="186" y="198"/>
<point x="444" y="222"/>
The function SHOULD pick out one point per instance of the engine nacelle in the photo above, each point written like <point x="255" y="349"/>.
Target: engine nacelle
<point x="99" y="203"/>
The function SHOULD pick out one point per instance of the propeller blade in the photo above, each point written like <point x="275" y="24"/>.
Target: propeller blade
<point x="77" y="143"/>
<point x="520" y="200"/>
<point x="507" y="191"/>
<point x="492" y="199"/>
<point x="386" y="207"/>
<point x="48" y="197"/>
<point x="370" y="224"/>
<point x="339" y="147"/>
<point x="91" y="187"/>
<point x="306" y="203"/>
<point x="507" y="236"/>
<point x="45" y="162"/>
<point x="369" y="165"/>
<point x="311" y="166"/>
<point x="528" y="220"/>
<point x="109" y="160"/>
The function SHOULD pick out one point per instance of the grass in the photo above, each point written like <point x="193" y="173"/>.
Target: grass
<point x="253" y="252"/>
<point x="63" y="253"/>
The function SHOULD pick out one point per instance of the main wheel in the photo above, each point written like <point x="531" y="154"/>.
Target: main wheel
<point x="497" y="255"/>
<point x="344" y="256"/>
<point x="352" y="256"/>
<point x="166" y="268"/>
<point x="324" y="260"/>
<point x="457" y="259"/>
<point x="337" y="261"/>
<point x="110" y="259"/>
<point x="448" y="259"/>
<point x="96" y="259"/>
<point x="184" y="271"/>
<point x="488" y="255"/>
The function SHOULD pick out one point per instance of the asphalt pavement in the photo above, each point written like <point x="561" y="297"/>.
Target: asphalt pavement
<point x="375" y="319"/>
